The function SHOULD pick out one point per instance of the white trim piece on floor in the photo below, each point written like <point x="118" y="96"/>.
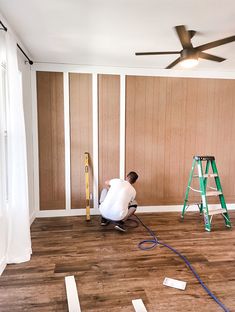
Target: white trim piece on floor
<point x="122" y="125"/>
<point x="72" y="294"/>
<point x="139" y="305"/>
<point x="67" y="141"/>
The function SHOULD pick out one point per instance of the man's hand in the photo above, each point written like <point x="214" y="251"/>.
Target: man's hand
<point x="107" y="183"/>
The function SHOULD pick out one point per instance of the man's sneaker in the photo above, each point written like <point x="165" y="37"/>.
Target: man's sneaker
<point x="120" y="226"/>
<point x="104" y="221"/>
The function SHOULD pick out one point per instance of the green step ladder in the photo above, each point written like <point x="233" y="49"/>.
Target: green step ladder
<point x="203" y="177"/>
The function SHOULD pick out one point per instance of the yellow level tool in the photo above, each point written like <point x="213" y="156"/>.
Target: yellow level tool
<point x="87" y="187"/>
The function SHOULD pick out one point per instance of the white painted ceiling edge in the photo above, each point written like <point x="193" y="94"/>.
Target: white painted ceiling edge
<point x="107" y="33"/>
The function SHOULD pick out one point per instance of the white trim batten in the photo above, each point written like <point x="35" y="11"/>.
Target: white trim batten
<point x="72" y="294"/>
<point x="134" y="71"/>
<point x="67" y="141"/>
<point x="122" y="124"/>
<point x="139" y="305"/>
<point x="35" y="141"/>
<point x="95" y="142"/>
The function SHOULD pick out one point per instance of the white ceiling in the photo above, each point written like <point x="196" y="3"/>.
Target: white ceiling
<point x="109" y="32"/>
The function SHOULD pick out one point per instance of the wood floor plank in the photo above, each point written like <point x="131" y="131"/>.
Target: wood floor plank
<point x="111" y="271"/>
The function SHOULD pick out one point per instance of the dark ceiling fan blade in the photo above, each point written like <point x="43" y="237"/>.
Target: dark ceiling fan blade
<point x="214" y="44"/>
<point x="174" y="63"/>
<point x="184" y="36"/>
<point x="211" y="57"/>
<point x="157" y="53"/>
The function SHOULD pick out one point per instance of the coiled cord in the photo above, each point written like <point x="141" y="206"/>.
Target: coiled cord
<point x="154" y="242"/>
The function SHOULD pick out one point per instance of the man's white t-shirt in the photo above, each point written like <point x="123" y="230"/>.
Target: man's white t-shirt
<point x="115" y="205"/>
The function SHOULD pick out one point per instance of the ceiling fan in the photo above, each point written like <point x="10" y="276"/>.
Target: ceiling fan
<point x="189" y="54"/>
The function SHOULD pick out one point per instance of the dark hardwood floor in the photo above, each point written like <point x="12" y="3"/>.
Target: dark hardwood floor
<point x="110" y="270"/>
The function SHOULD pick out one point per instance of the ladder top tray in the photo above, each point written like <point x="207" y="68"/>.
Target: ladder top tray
<point x="204" y="157"/>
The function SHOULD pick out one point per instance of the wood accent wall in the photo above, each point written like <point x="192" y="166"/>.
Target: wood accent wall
<point x="109" y="127"/>
<point x="168" y="121"/>
<point x="80" y="94"/>
<point x="51" y="140"/>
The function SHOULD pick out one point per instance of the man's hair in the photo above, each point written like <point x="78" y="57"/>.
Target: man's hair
<point x="133" y="176"/>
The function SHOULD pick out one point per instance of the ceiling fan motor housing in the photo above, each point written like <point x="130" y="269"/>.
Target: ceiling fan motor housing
<point x="188" y="54"/>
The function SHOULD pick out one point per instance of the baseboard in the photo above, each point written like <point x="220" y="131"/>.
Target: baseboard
<point x="65" y="213"/>
<point x="32" y="217"/>
<point x="141" y="209"/>
<point x="177" y="208"/>
<point x="2" y="266"/>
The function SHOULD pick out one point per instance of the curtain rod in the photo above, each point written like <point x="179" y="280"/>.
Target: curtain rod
<point x="30" y="61"/>
<point x="4" y="27"/>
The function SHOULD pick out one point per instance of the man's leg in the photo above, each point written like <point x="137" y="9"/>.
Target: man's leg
<point x="119" y="225"/>
<point x="102" y="197"/>
<point x="131" y="210"/>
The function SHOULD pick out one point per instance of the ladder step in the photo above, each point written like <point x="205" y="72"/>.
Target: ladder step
<point x="213" y="193"/>
<point x="210" y="175"/>
<point x="216" y="211"/>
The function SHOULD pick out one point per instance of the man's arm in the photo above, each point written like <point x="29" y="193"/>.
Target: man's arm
<point x="107" y="183"/>
<point x="133" y="200"/>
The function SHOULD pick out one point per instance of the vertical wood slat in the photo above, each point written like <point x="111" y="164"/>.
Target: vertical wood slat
<point x="51" y="140"/>
<point x="109" y="127"/>
<point x="80" y="91"/>
<point x="168" y="120"/>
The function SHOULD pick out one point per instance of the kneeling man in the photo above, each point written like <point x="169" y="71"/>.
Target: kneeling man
<point x="117" y="203"/>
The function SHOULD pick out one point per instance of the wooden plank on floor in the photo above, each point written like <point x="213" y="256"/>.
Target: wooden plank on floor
<point x="72" y="294"/>
<point x="139" y="305"/>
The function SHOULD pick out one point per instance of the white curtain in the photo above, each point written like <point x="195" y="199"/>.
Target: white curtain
<point x="19" y="241"/>
<point x="3" y="202"/>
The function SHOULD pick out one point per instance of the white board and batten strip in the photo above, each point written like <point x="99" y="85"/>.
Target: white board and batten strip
<point x="72" y="294"/>
<point x="67" y="140"/>
<point x="122" y="125"/>
<point x="95" y="117"/>
<point x="139" y="305"/>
